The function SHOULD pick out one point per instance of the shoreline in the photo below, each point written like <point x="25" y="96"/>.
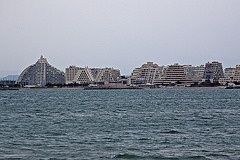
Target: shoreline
<point x="146" y="88"/>
<point x="191" y="88"/>
<point x="31" y="89"/>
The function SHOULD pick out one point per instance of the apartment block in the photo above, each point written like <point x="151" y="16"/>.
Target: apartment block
<point x="236" y="77"/>
<point x="174" y="74"/>
<point x="91" y="75"/>
<point x="41" y="73"/>
<point x="146" y="74"/>
<point x="213" y="71"/>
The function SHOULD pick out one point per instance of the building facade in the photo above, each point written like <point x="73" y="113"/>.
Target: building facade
<point x="225" y="80"/>
<point x="229" y="72"/>
<point x="213" y="71"/>
<point x="41" y="73"/>
<point x="91" y="75"/>
<point x="194" y="73"/>
<point x="146" y="74"/>
<point x="236" y="77"/>
<point x="70" y="74"/>
<point x="174" y="74"/>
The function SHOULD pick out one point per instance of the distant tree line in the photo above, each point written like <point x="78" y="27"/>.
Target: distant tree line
<point x="8" y="84"/>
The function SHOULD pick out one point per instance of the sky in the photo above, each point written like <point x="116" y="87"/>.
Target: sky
<point x="122" y="34"/>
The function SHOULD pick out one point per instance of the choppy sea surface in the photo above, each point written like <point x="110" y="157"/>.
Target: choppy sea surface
<point x="120" y="124"/>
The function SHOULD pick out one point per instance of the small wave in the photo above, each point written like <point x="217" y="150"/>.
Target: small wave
<point x="132" y="156"/>
<point x="127" y="156"/>
<point x="214" y="155"/>
<point x="144" y="139"/>
<point x="172" y="132"/>
<point x="205" y="117"/>
<point x="37" y="110"/>
<point x="26" y="115"/>
<point x="195" y="158"/>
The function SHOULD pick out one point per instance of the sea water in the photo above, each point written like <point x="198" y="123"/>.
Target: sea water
<point x="120" y="124"/>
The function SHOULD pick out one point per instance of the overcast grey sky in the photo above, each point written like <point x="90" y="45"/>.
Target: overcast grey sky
<point x="122" y="34"/>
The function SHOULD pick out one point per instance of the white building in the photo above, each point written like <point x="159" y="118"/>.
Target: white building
<point x="146" y="74"/>
<point x="70" y="74"/>
<point x="91" y="75"/>
<point x="174" y="74"/>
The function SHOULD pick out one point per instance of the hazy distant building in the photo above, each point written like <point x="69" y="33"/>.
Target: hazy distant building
<point x="229" y="72"/>
<point x="174" y="74"/>
<point x="147" y="73"/>
<point x="236" y="77"/>
<point x="91" y="75"/>
<point x="213" y="71"/>
<point x="41" y="73"/>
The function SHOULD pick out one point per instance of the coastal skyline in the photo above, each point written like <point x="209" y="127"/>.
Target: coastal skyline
<point x="119" y="34"/>
<point x="14" y="76"/>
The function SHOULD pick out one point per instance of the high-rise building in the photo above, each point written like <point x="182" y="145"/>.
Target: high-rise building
<point x="213" y="71"/>
<point x="236" y="77"/>
<point x="91" y="75"/>
<point x="174" y="74"/>
<point x="41" y="73"/>
<point x="147" y="73"/>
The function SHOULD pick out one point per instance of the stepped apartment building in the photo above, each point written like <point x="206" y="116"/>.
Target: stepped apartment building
<point x="146" y="74"/>
<point x="174" y="74"/>
<point x="87" y="75"/>
<point x="41" y="73"/>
